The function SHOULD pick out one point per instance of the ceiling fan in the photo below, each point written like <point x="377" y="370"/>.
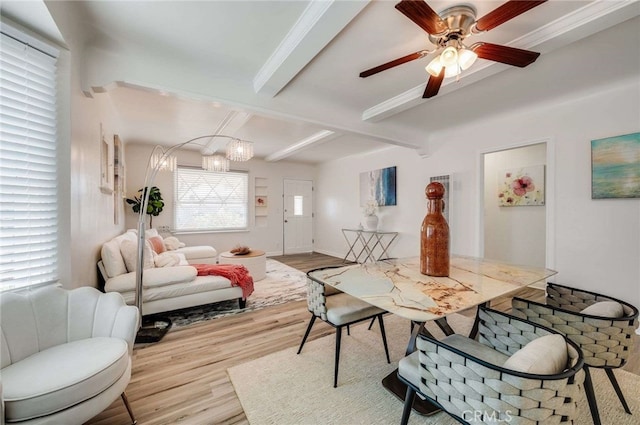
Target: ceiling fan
<point x="448" y="30"/>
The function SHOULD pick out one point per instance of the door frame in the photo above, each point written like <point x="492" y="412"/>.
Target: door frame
<point x="550" y="196"/>
<point x="313" y="216"/>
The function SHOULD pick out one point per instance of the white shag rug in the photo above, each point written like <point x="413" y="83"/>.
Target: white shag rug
<point x="284" y="388"/>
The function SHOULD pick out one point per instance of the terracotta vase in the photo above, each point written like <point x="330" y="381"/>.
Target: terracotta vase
<point x="434" y="234"/>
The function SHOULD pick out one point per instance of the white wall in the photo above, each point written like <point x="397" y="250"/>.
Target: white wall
<point x="513" y="234"/>
<point x="267" y="238"/>
<point x="86" y="211"/>
<point x="596" y="242"/>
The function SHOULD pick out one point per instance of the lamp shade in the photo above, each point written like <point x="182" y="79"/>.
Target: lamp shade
<point x="163" y="162"/>
<point x="466" y="58"/>
<point x="239" y="150"/>
<point x="215" y="163"/>
<point x="449" y="56"/>
<point x="434" y="67"/>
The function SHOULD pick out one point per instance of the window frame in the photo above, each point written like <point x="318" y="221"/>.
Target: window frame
<point x="244" y="203"/>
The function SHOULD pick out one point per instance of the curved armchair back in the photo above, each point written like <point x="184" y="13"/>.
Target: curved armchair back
<point x="36" y="320"/>
<point x="462" y="384"/>
<point x="605" y="341"/>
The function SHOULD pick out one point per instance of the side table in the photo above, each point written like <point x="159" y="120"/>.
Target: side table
<point x="368" y="245"/>
<point x="255" y="261"/>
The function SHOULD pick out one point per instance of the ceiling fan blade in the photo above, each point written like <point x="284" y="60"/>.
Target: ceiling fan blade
<point x="433" y="85"/>
<point x="505" y="54"/>
<point x="396" y="62"/>
<point x="422" y="15"/>
<point x="502" y="14"/>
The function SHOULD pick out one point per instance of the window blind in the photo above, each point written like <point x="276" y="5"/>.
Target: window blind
<point x="28" y="166"/>
<point x="209" y="201"/>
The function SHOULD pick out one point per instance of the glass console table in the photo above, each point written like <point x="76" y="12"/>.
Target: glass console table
<point x="367" y="245"/>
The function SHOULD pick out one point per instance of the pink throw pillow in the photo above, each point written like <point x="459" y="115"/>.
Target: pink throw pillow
<point x="157" y="244"/>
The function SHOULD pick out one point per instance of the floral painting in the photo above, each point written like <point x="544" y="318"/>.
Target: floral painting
<point x="521" y="186"/>
<point x="615" y="167"/>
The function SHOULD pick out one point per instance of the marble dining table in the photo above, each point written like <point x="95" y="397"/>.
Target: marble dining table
<point x="397" y="286"/>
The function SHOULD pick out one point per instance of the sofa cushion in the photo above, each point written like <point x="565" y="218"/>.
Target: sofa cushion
<point x="194" y="253"/>
<point x="168" y="259"/>
<point x="112" y="257"/>
<point x="172" y="243"/>
<point x="129" y="251"/>
<point x="157" y="244"/>
<point x="62" y="376"/>
<point x="152" y="278"/>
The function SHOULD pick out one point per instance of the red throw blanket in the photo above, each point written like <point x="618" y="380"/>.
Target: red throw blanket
<point x="236" y="273"/>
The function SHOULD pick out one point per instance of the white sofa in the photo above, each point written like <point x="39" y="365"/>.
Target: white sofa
<point x="65" y="355"/>
<point x="164" y="288"/>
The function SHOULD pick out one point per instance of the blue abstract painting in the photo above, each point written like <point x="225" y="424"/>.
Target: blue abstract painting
<point x="615" y="167"/>
<point x="378" y="185"/>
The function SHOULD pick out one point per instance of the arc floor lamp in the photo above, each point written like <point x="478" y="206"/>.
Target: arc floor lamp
<point x="162" y="158"/>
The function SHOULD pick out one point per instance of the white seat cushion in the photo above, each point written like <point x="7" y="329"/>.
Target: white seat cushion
<point x="343" y="309"/>
<point x="604" y="309"/>
<point x="546" y="355"/>
<point x="152" y="278"/>
<point x="62" y="376"/>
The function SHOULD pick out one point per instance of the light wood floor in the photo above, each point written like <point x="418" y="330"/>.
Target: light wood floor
<point x="183" y="378"/>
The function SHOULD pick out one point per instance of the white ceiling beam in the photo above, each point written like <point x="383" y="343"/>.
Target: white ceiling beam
<point x="229" y="125"/>
<point x="592" y="18"/>
<point x="320" y="22"/>
<point x="314" y="139"/>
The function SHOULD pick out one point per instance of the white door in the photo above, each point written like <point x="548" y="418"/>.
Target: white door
<point x="298" y="216"/>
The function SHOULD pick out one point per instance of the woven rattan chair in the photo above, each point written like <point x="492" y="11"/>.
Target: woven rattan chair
<point x="466" y="379"/>
<point x="605" y="341"/>
<point x="339" y="310"/>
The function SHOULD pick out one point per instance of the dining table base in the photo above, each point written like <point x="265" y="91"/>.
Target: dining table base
<point x="398" y="388"/>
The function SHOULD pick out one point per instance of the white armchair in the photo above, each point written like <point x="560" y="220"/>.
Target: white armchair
<point x="65" y="354"/>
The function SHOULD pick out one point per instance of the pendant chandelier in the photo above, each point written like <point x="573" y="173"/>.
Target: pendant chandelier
<point x="239" y="150"/>
<point x="217" y="163"/>
<point x="162" y="162"/>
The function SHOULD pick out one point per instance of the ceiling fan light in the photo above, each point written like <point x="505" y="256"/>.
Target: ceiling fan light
<point x="434" y="67"/>
<point x="449" y="56"/>
<point x="466" y="58"/>
<point x="451" y="71"/>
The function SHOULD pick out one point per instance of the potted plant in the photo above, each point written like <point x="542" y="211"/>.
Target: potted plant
<point x="154" y="206"/>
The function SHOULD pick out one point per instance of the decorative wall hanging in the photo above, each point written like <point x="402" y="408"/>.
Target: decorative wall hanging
<point x="118" y="179"/>
<point x="522" y="186"/>
<point x="615" y="167"/>
<point x="261" y="201"/>
<point x="378" y="185"/>
<point x="106" y="163"/>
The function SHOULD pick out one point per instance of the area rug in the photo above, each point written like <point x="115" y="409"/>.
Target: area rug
<point x="285" y="388"/>
<point x="282" y="284"/>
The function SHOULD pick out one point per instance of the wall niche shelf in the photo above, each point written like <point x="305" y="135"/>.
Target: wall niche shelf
<point x="261" y="204"/>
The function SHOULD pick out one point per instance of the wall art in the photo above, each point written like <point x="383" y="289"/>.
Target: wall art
<point x="523" y="186"/>
<point x="615" y="167"/>
<point x="379" y="186"/>
<point x="106" y="163"/>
